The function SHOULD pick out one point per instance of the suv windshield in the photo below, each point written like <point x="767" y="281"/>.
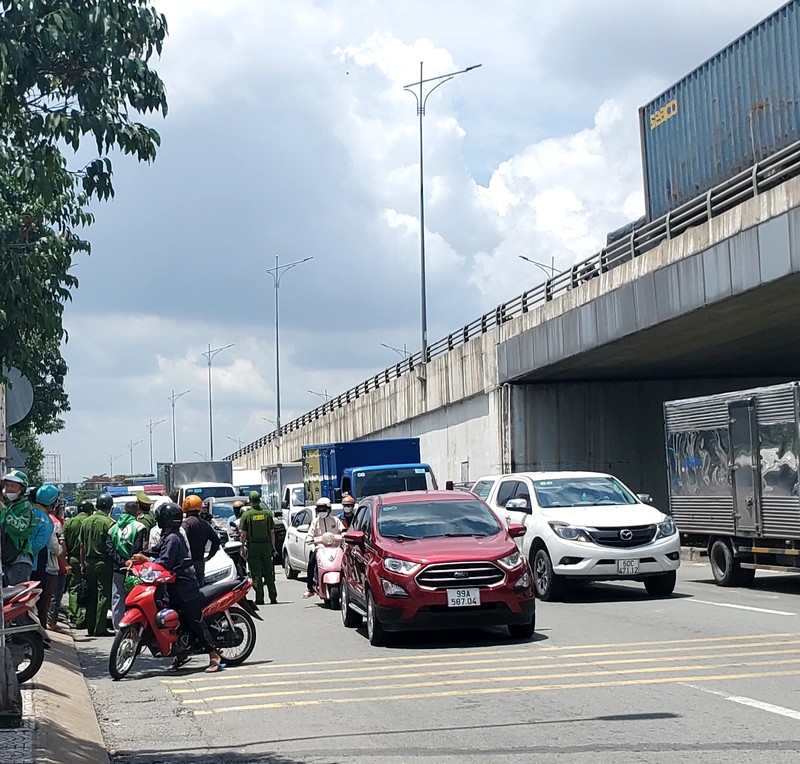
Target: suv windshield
<point x="582" y="492"/>
<point x="430" y="519"/>
<point x="222" y="511"/>
<point x="393" y="480"/>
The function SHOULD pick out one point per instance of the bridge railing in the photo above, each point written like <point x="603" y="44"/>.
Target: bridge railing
<point x="763" y="175"/>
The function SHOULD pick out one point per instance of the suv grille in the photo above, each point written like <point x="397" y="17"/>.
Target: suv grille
<point x="454" y="574"/>
<point x="635" y="535"/>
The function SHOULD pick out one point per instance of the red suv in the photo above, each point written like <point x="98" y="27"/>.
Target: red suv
<point x="434" y="559"/>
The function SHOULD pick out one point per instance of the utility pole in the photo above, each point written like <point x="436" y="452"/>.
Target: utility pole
<point x="131" y="445"/>
<point x="151" y="425"/>
<point x="210" y="355"/>
<point x="172" y="398"/>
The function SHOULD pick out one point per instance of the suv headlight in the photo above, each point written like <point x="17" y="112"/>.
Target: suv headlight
<point x="570" y="532"/>
<point x="511" y="561"/>
<point x="667" y="528"/>
<point x="401" y="566"/>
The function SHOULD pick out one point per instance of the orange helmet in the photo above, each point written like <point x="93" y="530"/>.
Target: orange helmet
<point x="192" y="503"/>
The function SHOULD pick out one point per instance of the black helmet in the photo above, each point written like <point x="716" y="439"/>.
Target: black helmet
<point x="169" y="515"/>
<point x="86" y="506"/>
<point x="105" y="501"/>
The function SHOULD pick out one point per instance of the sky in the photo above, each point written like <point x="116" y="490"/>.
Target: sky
<point x="289" y="133"/>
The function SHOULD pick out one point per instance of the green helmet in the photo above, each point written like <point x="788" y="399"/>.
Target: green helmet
<point x="130" y="581"/>
<point x="17" y="476"/>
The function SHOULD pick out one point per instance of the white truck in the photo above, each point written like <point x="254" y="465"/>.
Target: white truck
<point x="283" y="486"/>
<point x="203" y="479"/>
<point x="245" y="480"/>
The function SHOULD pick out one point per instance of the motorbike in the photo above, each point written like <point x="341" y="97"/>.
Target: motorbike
<point x="25" y="636"/>
<point x="150" y="623"/>
<point x="329" y="568"/>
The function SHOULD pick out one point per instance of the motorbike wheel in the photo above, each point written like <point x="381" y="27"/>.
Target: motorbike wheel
<point x="124" y="651"/>
<point x="27" y="653"/>
<point x="334" y="600"/>
<point x="242" y="621"/>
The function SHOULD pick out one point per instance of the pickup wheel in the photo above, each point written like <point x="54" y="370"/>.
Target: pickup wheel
<point x="661" y="585"/>
<point x="287" y="566"/>
<point x="548" y="584"/>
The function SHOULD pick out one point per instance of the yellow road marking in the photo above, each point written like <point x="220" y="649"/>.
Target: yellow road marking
<point x="528" y="651"/>
<point x="466" y="661"/>
<point x="500" y="690"/>
<point x="483" y="670"/>
<point x="493" y="680"/>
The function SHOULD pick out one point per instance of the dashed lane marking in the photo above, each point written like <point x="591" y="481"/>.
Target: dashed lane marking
<point x="743" y="701"/>
<point x="742" y="607"/>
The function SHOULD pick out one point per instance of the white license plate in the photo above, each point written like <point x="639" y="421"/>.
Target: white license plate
<point x="463" y="597"/>
<point x="627" y="567"/>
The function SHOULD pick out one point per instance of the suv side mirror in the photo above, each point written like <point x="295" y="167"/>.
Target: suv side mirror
<point x="516" y="531"/>
<point x="520" y="505"/>
<point x="645" y="498"/>
<point x="285" y="504"/>
<point x="354" y="538"/>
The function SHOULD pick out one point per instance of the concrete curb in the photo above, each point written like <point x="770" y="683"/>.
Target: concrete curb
<point x="67" y="730"/>
<point x="693" y="554"/>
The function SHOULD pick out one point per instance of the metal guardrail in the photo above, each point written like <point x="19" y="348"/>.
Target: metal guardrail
<point x="747" y="184"/>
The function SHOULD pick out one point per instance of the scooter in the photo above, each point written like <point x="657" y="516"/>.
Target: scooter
<point x="329" y="568"/>
<point x="150" y="623"/>
<point x="25" y="636"/>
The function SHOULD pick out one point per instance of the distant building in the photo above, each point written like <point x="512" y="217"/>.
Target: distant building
<point x="51" y="468"/>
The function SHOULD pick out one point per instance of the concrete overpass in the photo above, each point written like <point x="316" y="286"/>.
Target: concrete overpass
<point x="572" y="373"/>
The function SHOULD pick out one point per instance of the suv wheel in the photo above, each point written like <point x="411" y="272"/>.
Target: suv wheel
<point x="375" y="632"/>
<point x="547" y="583"/>
<point x="523" y="630"/>
<point x="350" y="618"/>
<point x="287" y="566"/>
<point x="661" y="585"/>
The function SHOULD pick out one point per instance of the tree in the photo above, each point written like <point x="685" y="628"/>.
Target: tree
<point x="71" y="72"/>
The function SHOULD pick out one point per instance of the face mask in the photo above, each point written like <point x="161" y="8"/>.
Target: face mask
<point x="12" y="495"/>
<point x="348" y="510"/>
<point x="324" y="512"/>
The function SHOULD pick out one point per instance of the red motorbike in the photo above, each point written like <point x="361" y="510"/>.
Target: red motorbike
<point x="25" y="637"/>
<point x="150" y="623"/>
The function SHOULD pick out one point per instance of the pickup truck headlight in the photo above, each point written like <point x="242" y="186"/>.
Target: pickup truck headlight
<point x="570" y="532"/>
<point x="667" y="528"/>
<point x="511" y="561"/>
<point x="405" y="567"/>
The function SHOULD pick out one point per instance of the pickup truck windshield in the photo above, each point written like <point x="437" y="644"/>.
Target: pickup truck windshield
<point x="374" y="482"/>
<point x="217" y="491"/>
<point x="411" y="520"/>
<point x="582" y="492"/>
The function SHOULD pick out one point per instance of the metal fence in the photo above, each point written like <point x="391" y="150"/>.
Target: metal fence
<point x="764" y="175"/>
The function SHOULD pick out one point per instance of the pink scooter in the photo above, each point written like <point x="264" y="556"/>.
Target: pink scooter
<point x="329" y="568"/>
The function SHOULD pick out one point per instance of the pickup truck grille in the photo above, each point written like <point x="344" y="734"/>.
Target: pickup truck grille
<point x="624" y="536"/>
<point x="456" y="574"/>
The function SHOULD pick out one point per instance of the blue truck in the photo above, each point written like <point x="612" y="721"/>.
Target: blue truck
<point x="364" y="468"/>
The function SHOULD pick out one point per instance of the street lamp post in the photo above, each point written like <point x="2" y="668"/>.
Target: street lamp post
<point x="422" y="100"/>
<point x="277" y="274"/>
<point x="111" y="460"/>
<point x="550" y="270"/>
<point x="131" y="445"/>
<point x="238" y="441"/>
<point x="172" y="398"/>
<point x="325" y="396"/>
<point x="151" y="425"/>
<point x="402" y="352"/>
<point x="210" y="355"/>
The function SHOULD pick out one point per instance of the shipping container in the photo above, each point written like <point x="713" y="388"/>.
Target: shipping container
<point x="739" y="107"/>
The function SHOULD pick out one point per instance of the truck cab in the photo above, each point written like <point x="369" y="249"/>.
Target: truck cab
<point x="386" y="478"/>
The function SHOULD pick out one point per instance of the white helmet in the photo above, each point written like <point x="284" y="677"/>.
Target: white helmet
<point x="323" y="503"/>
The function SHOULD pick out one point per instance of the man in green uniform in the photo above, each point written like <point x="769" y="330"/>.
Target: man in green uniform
<point x="146" y="517"/>
<point x="97" y="566"/>
<point x="257" y="530"/>
<point x="72" y="538"/>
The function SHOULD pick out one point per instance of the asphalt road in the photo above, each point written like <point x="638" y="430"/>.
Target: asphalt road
<point x="709" y="675"/>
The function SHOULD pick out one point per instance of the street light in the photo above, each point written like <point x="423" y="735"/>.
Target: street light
<point x="151" y="425"/>
<point x="210" y="355"/>
<point x="422" y="99"/>
<point x="550" y="270"/>
<point x="238" y="441"/>
<point x="111" y="460"/>
<point x="172" y="398"/>
<point x="277" y="274"/>
<point x="403" y="353"/>
<point x="271" y="421"/>
<point x="131" y="445"/>
<point x="203" y="456"/>
<point x="324" y="396"/>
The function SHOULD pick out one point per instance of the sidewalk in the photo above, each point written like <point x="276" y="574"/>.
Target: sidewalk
<point x="59" y="723"/>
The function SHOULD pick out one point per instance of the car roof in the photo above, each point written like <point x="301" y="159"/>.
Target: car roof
<point x="405" y="497"/>
<point x="554" y="475"/>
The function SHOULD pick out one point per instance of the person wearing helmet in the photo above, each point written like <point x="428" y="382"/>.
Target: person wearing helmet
<point x="72" y="539"/>
<point x="199" y="534"/>
<point x="348" y="508"/>
<point x="97" y="566"/>
<point x="172" y="553"/>
<point x="257" y="532"/>
<point x="323" y="522"/>
<point x="126" y="538"/>
<point x="145" y="516"/>
<point x="16" y="528"/>
<point x="48" y="497"/>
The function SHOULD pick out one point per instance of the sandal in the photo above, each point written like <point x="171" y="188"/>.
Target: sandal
<point x="179" y="661"/>
<point x="214" y="667"/>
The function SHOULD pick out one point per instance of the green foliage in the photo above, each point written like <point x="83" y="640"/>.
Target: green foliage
<point x="26" y="441"/>
<point x="72" y="72"/>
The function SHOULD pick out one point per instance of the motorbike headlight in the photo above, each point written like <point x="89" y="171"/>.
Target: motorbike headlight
<point x="667" y="528"/>
<point x="570" y="532"/>
<point x="405" y="567"/>
<point x="391" y="589"/>
<point x="511" y="561"/>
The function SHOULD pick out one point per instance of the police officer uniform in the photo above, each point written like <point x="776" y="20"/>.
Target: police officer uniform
<point x="258" y="524"/>
<point x="98" y="567"/>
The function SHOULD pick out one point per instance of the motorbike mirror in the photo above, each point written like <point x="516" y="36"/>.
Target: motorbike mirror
<point x="449" y="485"/>
<point x="354" y="538"/>
<point x="303" y="528"/>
